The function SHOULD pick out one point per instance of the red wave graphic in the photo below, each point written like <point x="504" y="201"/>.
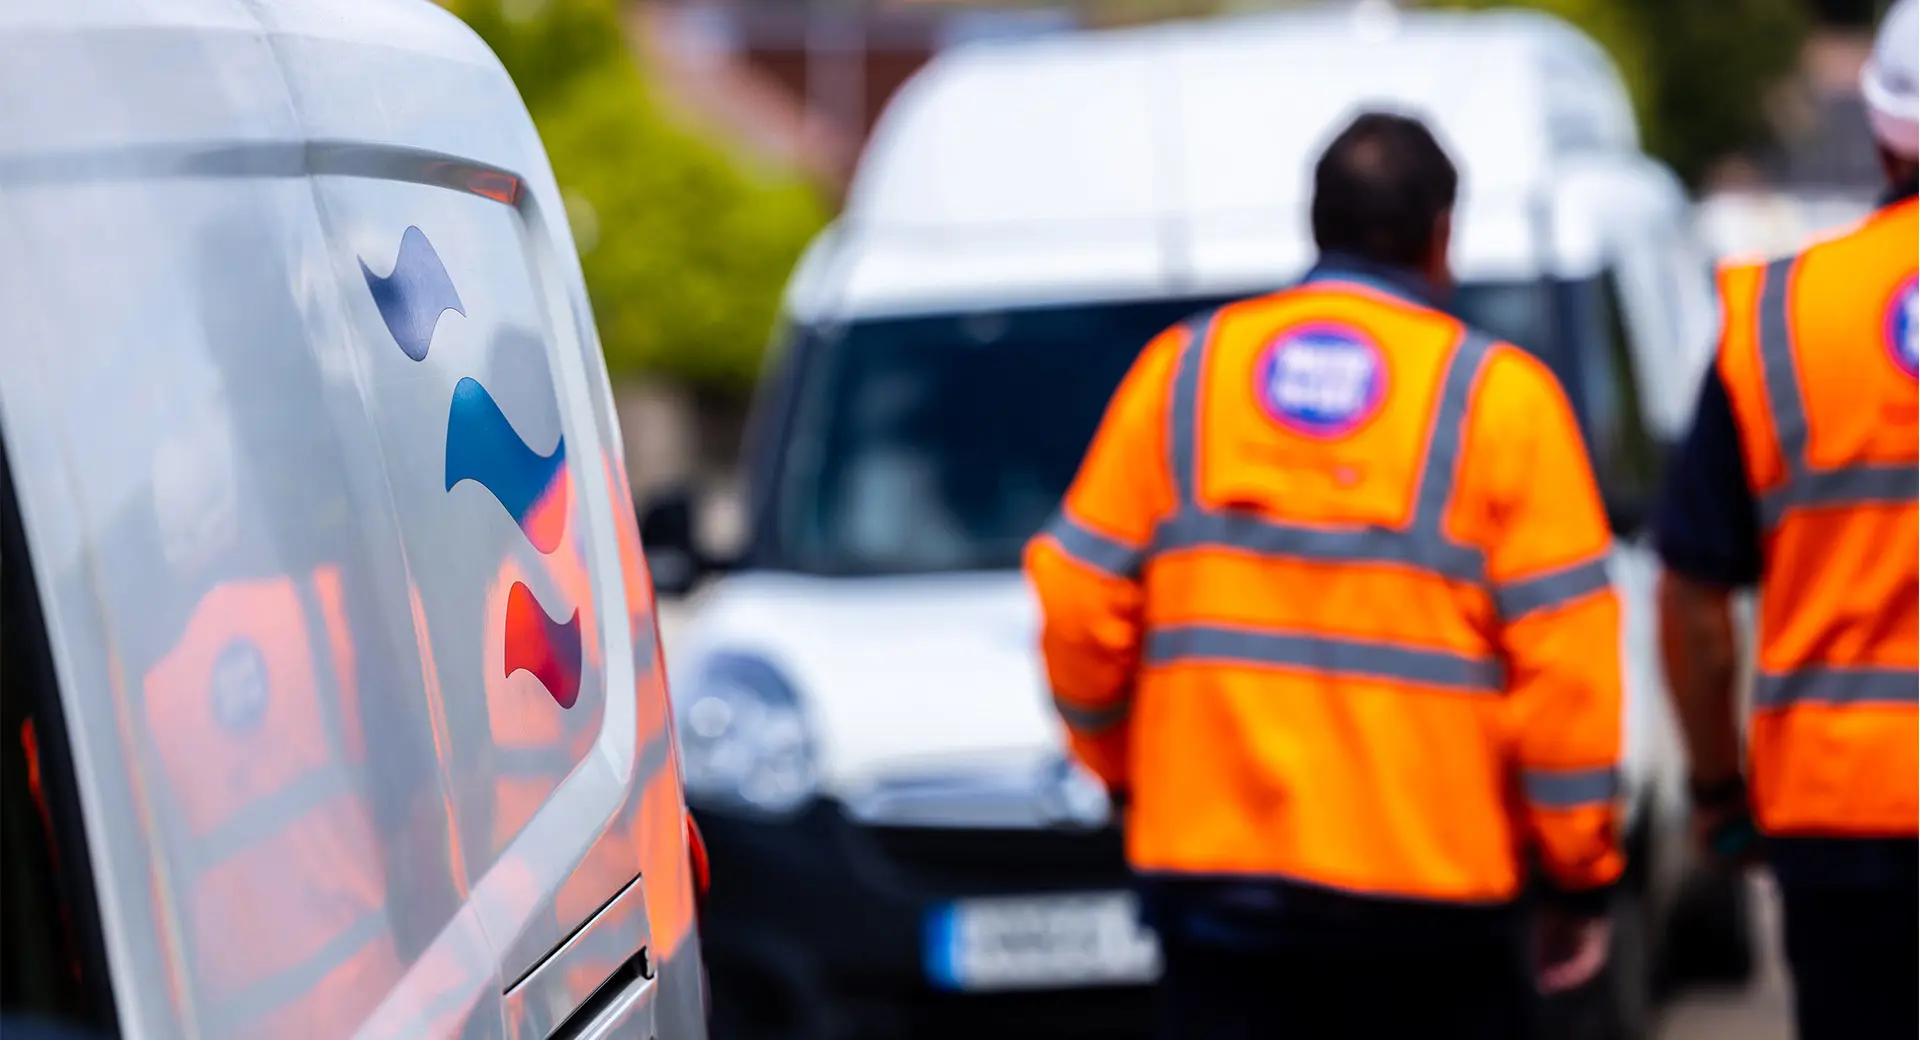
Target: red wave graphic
<point x="548" y="649"/>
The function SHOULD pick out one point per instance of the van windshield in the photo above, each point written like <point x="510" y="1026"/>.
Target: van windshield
<point x="942" y="443"/>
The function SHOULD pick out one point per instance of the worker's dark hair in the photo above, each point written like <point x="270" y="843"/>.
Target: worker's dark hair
<point x="1379" y="189"/>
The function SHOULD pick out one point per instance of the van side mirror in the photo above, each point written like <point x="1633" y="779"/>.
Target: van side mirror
<point x="667" y="534"/>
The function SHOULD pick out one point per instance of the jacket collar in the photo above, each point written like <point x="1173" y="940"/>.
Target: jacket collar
<point x="1397" y="282"/>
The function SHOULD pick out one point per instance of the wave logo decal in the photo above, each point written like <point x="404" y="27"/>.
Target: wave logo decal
<point x="548" y="649"/>
<point x="482" y="446"/>
<point x="414" y="296"/>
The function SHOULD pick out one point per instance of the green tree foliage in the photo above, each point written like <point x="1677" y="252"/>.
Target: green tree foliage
<point x="1699" y="70"/>
<point x="685" y="246"/>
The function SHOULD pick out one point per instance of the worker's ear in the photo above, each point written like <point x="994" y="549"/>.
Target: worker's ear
<point x="1438" y="271"/>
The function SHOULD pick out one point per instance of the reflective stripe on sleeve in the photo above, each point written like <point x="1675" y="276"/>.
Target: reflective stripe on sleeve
<point x="1091" y="721"/>
<point x="1517" y="599"/>
<point x="1109" y="556"/>
<point x="1569" y="788"/>
<point x="1836" y="686"/>
<point x="1326" y="655"/>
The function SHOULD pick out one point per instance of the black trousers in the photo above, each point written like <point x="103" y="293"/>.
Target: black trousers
<point x="1855" y="956"/>
<point x="1474" y="992"/>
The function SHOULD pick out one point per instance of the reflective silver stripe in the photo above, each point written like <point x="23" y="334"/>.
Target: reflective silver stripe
<point x="1776" y="363"/>
<point x="1854" y="485"/>
<point x="1517" y="599"/>
<point x="1421" y="545"/>
<point x="266" y="817"/>
<point x="1327" y="655"/>
<point x="1109" y="556"/>
<point x="1860" y="483"/>
<point x="1183" y="410"/>
<point x="1082" y="719"/>
<point x="1194" y="528"/>
<point x="1444" y="439"/>
<point x="533" y="761"/>
<point x="1569" y="788"/>
<point x="276" y="991"/>
<point x="1837" y="685"/>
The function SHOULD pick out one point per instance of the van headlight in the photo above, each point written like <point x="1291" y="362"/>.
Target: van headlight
<point x="744" y="743"/>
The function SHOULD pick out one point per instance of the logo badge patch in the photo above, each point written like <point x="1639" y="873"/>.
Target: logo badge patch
<point x="1903" y="328"/>
<point x="1321" y="380"/>
<point x="238" y="687"/>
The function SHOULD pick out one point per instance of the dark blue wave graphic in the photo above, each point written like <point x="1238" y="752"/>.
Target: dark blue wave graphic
<point x="482" y="446"/>
<point x="414" y="296"/>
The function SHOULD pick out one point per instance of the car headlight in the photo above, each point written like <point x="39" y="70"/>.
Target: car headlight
<point x="744" y="744"/>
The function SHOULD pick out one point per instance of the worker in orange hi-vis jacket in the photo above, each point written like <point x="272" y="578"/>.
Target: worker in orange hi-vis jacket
<point x="1327" y="604"/>
<point x="1798" y="479"/>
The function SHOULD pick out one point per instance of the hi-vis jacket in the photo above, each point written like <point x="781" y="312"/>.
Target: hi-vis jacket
<point x="1328" y="596"/>
<point x="1818" y="355"/>
<point x="257" y="754"/>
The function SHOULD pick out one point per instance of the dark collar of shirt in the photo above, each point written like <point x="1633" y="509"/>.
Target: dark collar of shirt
<point x="1899" y="193"/>
<point x="1398" y="282"/>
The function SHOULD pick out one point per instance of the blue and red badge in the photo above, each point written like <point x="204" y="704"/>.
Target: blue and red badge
<point x="1322" y="380"/>
<point x="1903" y="327"/>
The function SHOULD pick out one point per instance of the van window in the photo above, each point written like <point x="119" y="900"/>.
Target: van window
<point x="943" y="442"/>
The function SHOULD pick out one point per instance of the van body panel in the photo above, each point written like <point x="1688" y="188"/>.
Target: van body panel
<point x="291" y="301"/>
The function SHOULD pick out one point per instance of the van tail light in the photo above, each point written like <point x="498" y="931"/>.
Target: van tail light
<point x="697" y="853"/>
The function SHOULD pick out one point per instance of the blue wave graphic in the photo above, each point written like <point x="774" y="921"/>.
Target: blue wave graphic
<point x="414" y="296"/>
<point x="482" y="446"/>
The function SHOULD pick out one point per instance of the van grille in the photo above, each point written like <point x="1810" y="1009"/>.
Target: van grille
<point x="986" y="861"/>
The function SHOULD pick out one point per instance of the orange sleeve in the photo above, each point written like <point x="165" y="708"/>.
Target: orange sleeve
<point x="1085" y="566"/>
<point x="1559" y="620"/>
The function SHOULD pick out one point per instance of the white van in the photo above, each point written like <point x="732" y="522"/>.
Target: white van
<point x="870" y="746"/>
<point x="331" y="701"/>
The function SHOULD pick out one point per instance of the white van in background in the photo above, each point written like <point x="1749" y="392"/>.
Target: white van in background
<point x="329" y="696"/>
<point x="896" y="840"/>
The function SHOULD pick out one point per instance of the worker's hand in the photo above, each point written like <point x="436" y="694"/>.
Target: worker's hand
<point x="1721" y="825"/>
<point x="1568" y="950"/>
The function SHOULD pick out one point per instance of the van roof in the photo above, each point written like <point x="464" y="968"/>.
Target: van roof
<point x="1092" y="163"/>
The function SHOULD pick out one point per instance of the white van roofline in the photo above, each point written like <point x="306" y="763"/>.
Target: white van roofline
<point x="1115" y="164"/>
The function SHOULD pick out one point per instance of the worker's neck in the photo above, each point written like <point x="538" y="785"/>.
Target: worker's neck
<point x="1336" y="266"/>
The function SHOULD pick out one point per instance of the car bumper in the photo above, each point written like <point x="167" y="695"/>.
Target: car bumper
<point x="816" y="926"/>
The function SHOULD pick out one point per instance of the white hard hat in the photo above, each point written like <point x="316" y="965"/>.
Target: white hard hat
<point x="1890" y="82"/>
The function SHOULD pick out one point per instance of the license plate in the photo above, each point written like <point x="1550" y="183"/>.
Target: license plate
<point x="1040" y="942"/>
